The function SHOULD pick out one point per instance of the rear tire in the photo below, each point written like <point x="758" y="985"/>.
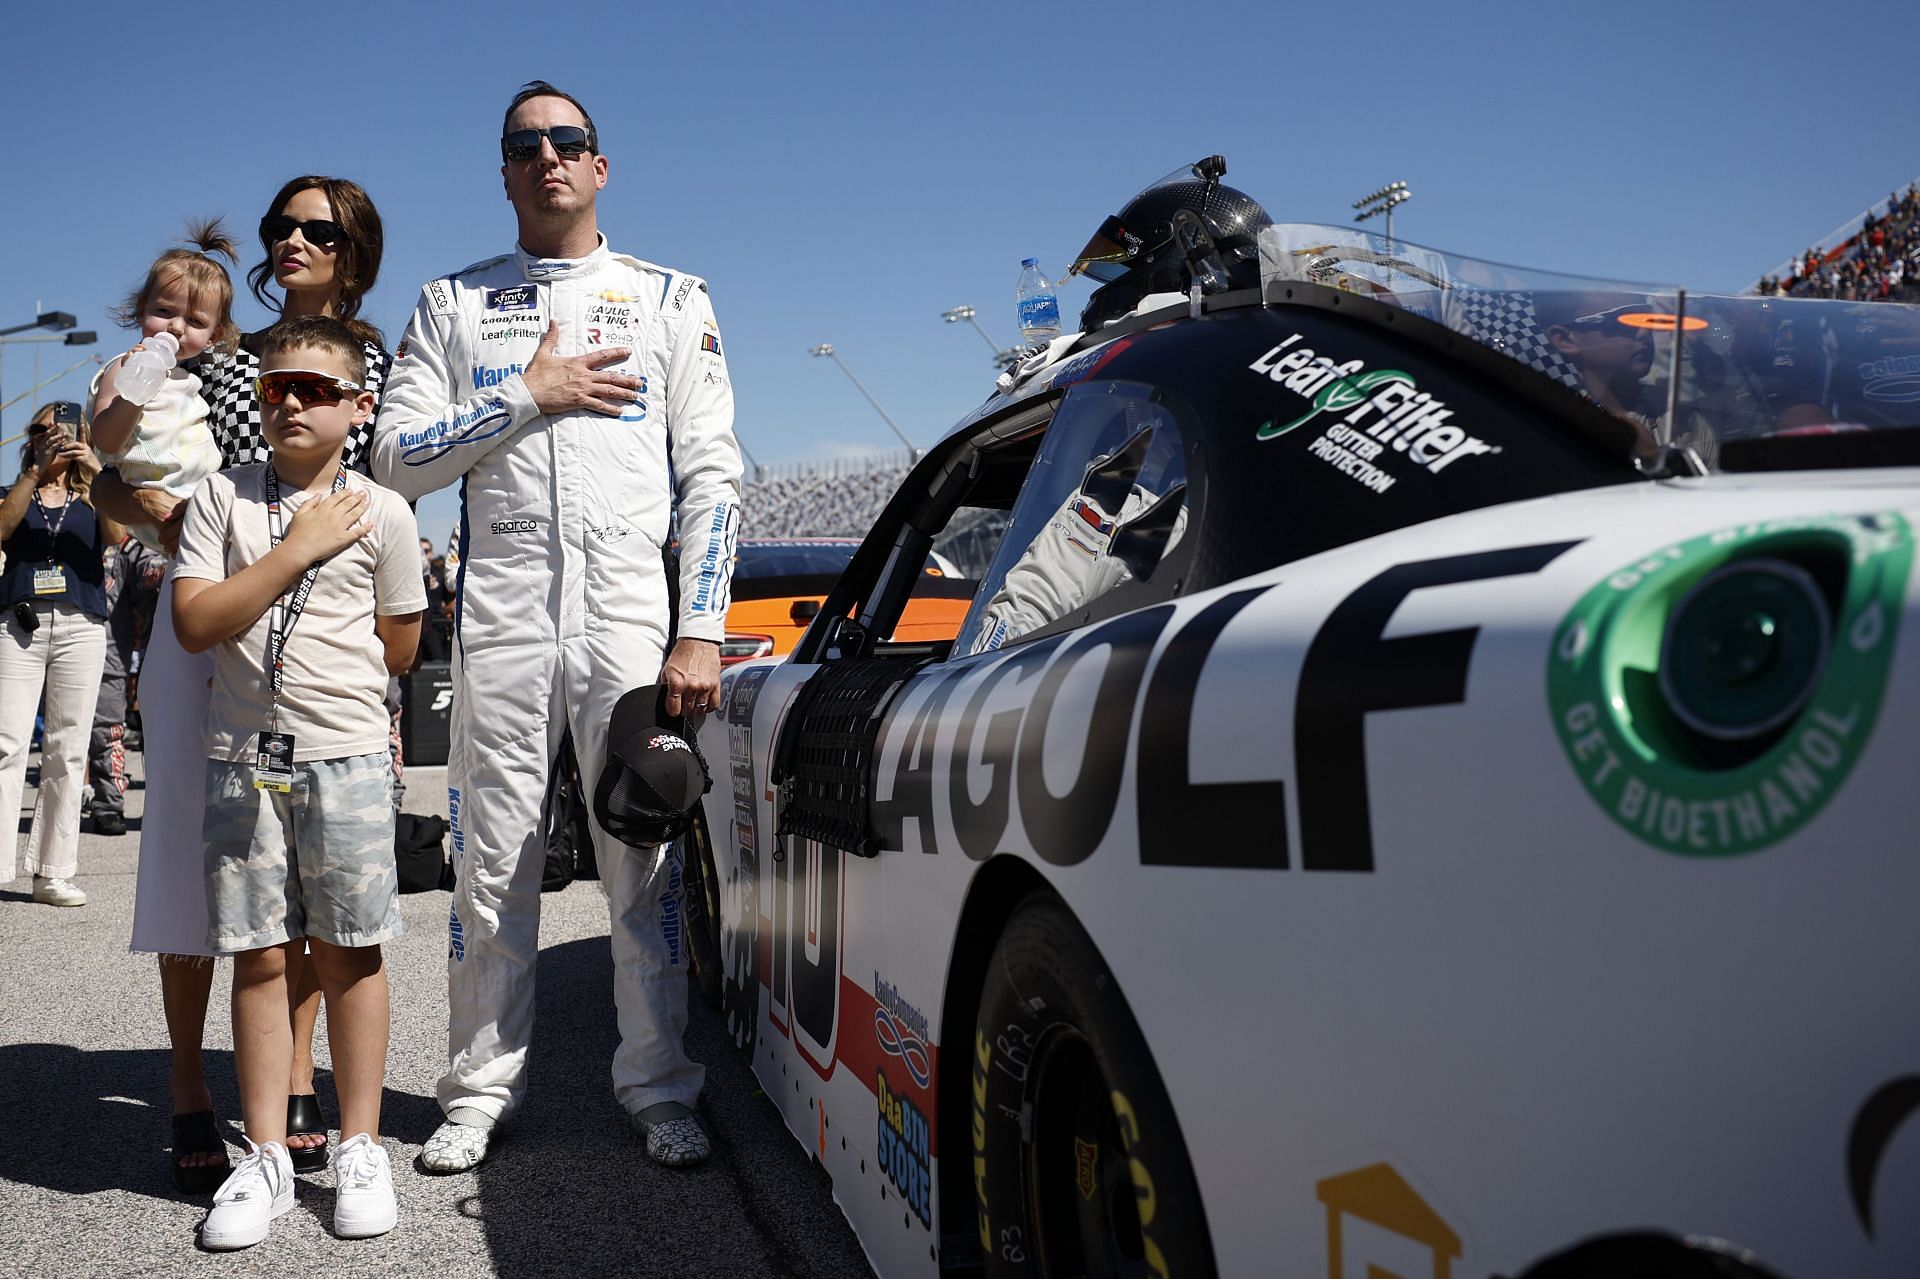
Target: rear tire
<point x="1079" y="1167"/>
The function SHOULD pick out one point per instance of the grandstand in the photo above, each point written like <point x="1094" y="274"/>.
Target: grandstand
<point x="844" y="497"/>
<point x="1879" y="262"/>
<point x="841" y="498"/>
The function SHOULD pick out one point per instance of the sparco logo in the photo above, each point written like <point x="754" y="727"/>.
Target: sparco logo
<point x="515" y="526"/>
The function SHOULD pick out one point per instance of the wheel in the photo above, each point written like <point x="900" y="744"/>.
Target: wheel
<point x="701" y="909"/>
<point x="1079" y="1168"/>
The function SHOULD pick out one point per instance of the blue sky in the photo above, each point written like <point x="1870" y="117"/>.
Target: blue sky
<point x="844" y="173"/>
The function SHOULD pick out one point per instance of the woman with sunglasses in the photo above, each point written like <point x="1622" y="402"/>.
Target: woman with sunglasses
<point x="322" y="242"/>
<point x="54" y="598"/>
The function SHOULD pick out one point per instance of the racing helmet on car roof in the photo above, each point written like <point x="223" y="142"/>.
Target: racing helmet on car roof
<point x="1183" y="228"/>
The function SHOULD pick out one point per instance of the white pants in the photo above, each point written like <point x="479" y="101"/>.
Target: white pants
<point x="64" y="656"/>
<point x="511" y="706"/>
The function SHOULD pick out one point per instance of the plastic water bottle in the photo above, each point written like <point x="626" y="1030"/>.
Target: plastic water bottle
<point x="1038" y="304"/>
<point x="142" y="372"/>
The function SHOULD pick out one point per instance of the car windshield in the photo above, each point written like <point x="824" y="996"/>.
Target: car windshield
<point x="1749" y="367"/>
<point x="809" y="557"/>
<point x="793" y="559"/>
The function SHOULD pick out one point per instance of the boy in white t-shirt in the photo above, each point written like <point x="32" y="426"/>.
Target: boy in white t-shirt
<point x="304" y="579"/>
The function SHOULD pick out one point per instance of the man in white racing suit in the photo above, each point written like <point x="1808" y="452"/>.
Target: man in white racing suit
<point x="580" y="400"/>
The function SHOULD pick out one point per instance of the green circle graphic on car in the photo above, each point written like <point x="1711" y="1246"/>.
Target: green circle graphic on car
<point x="1712" y="697"/>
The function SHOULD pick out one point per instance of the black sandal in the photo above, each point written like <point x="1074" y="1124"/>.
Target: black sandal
<point x="197" y="1133"/>
<point x="303" y="1119"/>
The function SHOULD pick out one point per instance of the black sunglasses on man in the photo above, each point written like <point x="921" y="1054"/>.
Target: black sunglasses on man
<point x="570" y="142"/>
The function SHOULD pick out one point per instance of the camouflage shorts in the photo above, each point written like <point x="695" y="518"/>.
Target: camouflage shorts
<point x="314" y="862"/>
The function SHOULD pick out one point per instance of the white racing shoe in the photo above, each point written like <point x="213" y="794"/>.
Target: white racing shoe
<point x="675" y="1138"/>
<point x="455" y="1146"/>
<point x="363" y="1204"/>
<point x="259" y="1188"/>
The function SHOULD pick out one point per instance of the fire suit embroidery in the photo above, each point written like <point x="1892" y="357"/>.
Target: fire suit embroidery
<point x="476" y="425"/>
<point x="456" y="935"/>
<point x="670" y="930"/>
<point x="719" y="538"/>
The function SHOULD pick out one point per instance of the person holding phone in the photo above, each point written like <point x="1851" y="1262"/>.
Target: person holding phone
<point x="54" y="601"/>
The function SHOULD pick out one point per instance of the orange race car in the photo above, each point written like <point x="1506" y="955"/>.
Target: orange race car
<point x="779" y="583"/>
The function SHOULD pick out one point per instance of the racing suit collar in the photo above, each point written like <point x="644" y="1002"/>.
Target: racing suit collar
<point x="561" y="268"/>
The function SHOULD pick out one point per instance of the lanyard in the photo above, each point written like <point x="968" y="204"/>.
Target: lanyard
<point x="286" y="609"/>
<point x="53" y="526"/>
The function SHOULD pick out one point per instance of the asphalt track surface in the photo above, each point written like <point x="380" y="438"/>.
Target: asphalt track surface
<point x="84" y="1183"/>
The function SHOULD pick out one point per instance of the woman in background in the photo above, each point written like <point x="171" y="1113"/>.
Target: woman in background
<point x="54" y="598"/>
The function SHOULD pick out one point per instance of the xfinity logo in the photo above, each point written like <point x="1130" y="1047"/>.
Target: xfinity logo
<point x="521" y="297"/>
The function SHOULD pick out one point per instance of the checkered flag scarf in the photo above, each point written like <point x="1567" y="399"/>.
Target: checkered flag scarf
<point x="1505" y="321"/>
<point x="234" y="409"/>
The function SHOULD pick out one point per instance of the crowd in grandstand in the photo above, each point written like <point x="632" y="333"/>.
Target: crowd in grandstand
<point x="1881" y="263"/>
<point x="840" y="499"/>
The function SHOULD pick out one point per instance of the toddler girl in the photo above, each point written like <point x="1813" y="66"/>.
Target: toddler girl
<point x="166" y="445"/>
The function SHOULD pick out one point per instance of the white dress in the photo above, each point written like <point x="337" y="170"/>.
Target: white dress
<point x="172" y="449"/>
<point x="170" y="897"/>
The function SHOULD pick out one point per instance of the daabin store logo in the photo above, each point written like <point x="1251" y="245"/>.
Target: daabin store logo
<point x="905" y="1147"/>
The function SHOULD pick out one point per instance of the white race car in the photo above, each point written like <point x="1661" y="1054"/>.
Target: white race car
<point x="1384" y="813"/>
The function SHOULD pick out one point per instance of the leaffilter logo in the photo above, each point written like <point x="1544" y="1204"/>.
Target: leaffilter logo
<point x="1337" y="396"/>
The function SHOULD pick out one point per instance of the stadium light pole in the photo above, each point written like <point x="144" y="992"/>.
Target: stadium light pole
<point x="826" y="349"/>
<point x="1002" y="357"/>
<point x="57" y="322"/>
<point x="77" y="364"/>
<point x="759" y="471"/>
<point x="1383" y="201"/>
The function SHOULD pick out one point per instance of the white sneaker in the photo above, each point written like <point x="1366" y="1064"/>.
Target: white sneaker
<point x="363" y="1204"/>
<point x="57" y="892"/>
<point x="259" y="1189"/>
